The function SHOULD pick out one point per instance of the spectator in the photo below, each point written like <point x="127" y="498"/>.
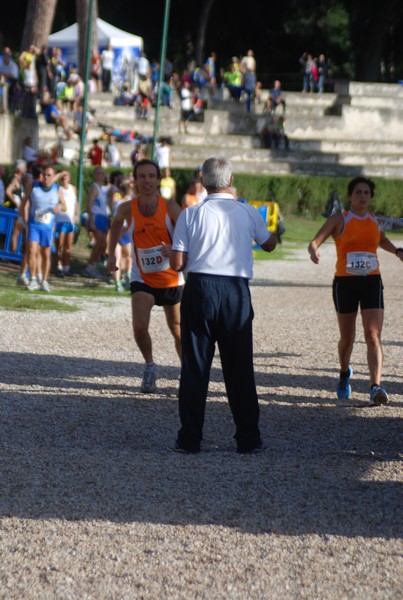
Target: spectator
<point x="249" y="84"/>
<point x="233" y="81"/>
<point x="168" y="185"/>
<point x="107" y="60"/>
<point x="29" y="153"/>
<point x="96" y="70"/>
<point x="190" y="198"/>
<point x="186" y="106"/>
<point x="212" y="244"/>
<point x="53" y="116"/>
<point x="27" y="64"/>
<point x="276" y="98"/>
<point x="95" y="154"/>
<point x="248" y="63"/>
<point x="9" y="72"/>
<point x="98" y="220"/>
<point x="65" y="226"/>
<point x="113" y="155"/>
<point x="323" y="72"/>
<point x="43" y="69"/>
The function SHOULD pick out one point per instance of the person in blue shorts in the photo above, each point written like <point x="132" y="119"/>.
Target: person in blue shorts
<point x="43" y="203"/>
<point x="66" y="226"/>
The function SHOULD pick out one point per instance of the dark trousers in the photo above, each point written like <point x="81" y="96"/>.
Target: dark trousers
<point x="217" y="309"/>
<point x="106" y="80"/>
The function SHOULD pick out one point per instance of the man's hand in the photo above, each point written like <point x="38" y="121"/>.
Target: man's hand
<point x="165" y="249"/>
<point x="112" y="267"/>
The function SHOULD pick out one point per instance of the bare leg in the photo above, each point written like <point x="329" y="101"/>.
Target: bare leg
<point x="45" y="256"/>
<point x="173" y="317"/>
<point x="142" y="304"/>
<point x="347" y="337"/>
<point x="372" y="320"/>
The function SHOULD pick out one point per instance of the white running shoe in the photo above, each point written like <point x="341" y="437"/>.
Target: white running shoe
<point x="33" y="285"/>
<point x="45" y="287"/>
<point x="148" y="385"/>
<point x="22" y="280"/>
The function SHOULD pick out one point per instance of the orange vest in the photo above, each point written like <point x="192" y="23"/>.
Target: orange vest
<point x="357" y="245"/>
<point x="149" y="266"/>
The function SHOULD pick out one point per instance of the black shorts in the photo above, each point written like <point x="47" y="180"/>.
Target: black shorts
<point x="162" y="296"/>
<point x="351" y="292"/>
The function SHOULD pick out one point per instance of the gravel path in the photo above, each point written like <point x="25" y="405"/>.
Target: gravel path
<point x="95" y="505"/>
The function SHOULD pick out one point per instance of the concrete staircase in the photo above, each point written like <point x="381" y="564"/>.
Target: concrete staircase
<point x="356" y="130"/>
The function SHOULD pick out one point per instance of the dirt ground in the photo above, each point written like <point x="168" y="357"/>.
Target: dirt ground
<point x="95" y="505"/>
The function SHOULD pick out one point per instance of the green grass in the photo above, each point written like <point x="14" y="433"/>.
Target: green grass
<point x="21" y="300"/>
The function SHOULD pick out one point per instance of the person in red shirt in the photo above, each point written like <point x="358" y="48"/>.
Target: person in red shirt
<point x="95" y="154"/>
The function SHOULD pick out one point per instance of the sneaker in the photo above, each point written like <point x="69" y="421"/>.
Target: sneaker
<point x="33" y="285"/>
<point x="378" y="396"/>
<point x="119" y="287"/>
<point x="59" y="272"/>
<point x="22" y="280"/>
<point x="261" y="447"/>
<point x="91" y="271"/>
<point x="45" y="287"/>
<point x="148" y="384"/>
<point x="343" y="386"/>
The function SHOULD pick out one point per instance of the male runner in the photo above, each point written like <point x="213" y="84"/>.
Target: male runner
<point x="151" y="220"/>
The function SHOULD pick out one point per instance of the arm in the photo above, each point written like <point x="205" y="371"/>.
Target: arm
<point x="387" y="245"/>
<point x="178" y="260"/>
<point x="61" y="206"/>
<point x="173" y="210"/>
<point x="92" y="194"/>
<point x="270" y="243"/>
<point x="331" y="228"/>
<point x="123" y="214"/>
<point x="10" y="188"/>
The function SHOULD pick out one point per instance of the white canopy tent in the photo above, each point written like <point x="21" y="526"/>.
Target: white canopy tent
<point x="123" y="43"/>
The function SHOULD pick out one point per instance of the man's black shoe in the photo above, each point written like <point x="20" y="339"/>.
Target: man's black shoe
<point x="180" y="450"/>
<point x="261" y="447"/>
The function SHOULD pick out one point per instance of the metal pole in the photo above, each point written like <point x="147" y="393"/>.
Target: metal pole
<point x="85" y="105"/>
<point x="161" y="75"/>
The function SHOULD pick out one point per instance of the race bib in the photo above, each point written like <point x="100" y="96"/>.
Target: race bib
<point x="151" y="260"/>
<point x="361" y="263"/>
<point x="43" y="216"/>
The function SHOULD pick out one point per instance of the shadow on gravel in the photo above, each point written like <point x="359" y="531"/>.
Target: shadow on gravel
<point x="90" y="451"/>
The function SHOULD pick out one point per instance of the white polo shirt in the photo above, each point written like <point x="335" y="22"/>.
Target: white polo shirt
<point x="217" y="236"/>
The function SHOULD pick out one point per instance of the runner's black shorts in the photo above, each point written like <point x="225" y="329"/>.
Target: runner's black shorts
<point x="351" y="292"/>
<point x="162" y="296"/>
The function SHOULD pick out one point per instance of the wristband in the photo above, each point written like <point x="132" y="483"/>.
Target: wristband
<point x="398" y="250"/>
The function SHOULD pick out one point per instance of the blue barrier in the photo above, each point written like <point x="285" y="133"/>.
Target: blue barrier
<point x="8" y="217"/>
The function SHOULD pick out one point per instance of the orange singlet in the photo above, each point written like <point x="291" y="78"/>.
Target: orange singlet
<point x="357" y="245"/>
<point x="147" y="233"/>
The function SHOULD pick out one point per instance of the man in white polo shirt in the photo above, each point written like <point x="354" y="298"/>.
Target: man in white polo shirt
<point x="213" y="243"/>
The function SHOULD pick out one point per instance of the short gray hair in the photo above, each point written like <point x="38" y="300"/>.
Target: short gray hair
<point x="216" y="173"/>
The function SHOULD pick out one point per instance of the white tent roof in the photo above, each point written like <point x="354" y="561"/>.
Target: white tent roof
<point x="106" y="34"/>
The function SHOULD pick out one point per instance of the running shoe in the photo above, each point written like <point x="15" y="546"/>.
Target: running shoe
<point x="45" y="287"/>
<point x="91" y="271"/>
<point x="22" y="280"/>
<point x="378" y="396"/>
<point x="33" y="285"/>
<point x="148" y="385"/>
<point x="343" y="386"/>
<point x="119" y="287"/>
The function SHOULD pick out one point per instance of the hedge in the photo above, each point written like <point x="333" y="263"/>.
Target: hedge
<point x="296" y="194"/>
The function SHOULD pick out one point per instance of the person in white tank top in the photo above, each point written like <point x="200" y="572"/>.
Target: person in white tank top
<point x="65" y="226"/>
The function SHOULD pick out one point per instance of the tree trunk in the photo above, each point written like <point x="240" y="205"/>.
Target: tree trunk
<point x="369" y="31"/>
<point x="82" y="12"/>
<point x="38" y="23"/>
<point x="201" y="33"/>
